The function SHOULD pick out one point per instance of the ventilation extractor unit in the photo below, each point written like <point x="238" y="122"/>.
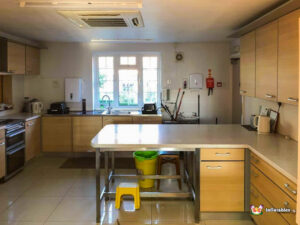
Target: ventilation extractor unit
<point x="108" y="19"/>
<point x="83" y="4"/>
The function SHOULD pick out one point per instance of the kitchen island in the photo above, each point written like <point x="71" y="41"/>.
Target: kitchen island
<point x="277" y="151"/>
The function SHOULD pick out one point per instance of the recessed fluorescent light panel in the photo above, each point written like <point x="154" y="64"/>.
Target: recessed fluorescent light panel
<point x="103" y="4"/>
<point x="121" y="40"/>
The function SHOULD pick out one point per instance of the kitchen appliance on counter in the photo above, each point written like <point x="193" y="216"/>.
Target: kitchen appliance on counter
<point x="14" y="146"/>
<point x="149" y="109"/>
<point x="58" y="108"/>
<point x="263" y="124"/>
<point x="37" y="107"/>
<point x="253" y="121"/>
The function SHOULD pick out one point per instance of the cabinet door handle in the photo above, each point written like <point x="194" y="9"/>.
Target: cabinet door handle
<point x="288" y="187"/>
<point x="287" y="204"/>
<point x="292" y="99"/>
<point x="269" y="96"/>
<point x="2" y="143"/>
<point x="214" y="167"/>
<point x="223" y="154"/>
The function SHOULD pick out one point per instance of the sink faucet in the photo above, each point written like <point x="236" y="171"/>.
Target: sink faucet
<point x="109" y="107"/>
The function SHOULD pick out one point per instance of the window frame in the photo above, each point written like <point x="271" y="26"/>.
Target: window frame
<point x="117" y="66"/>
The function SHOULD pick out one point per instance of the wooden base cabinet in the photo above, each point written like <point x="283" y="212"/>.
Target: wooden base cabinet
<point x="222" y="186"/>
<point x="147" y="120"/>
<point x="2" y="154"/>
<point x="33" y="138"/>
<point x="57" y="134"/>
<point x="84" y="129"/>
<point x="270" y="218"/>
<point x="117" y="120"/>
<point x="270" y="185"/>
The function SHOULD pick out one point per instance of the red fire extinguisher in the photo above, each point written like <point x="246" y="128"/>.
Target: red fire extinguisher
<point x="210" y="83"/>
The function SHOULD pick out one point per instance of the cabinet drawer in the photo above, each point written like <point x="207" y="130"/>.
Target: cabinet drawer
<point x="283" y="182"/>
<point x="222" y="154"/>
<point x="273" y="194"/>
<point x="270" y="218"/>
<point x="2" y="133"/>
<point x="222" y="186"/>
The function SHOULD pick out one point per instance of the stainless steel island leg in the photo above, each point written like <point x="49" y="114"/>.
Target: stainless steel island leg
<point x="106" y="158"/>
<point x="113" y="165"/>
<point x="197" y="184"/>
<point x="98" y="191"/>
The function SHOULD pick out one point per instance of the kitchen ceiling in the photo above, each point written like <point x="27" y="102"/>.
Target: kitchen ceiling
<point x="164" y="20"/>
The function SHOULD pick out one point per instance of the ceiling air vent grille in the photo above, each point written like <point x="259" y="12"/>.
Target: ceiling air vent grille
<point x="108" y="19"/>
<point x="106" y="22"/>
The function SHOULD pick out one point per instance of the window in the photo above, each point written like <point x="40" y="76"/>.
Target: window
<point x="150" y="79"/>
<point x="126" y="81"/>
<point x="105" y="78"/>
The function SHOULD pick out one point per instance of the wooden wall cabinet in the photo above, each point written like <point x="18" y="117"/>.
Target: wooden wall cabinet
<point x="32" y="138"/>
<point x="84" y="129"/>
<point x="117" y="120"/>
<point x="57" y="134"/>
<point x="266" y="61"/>
<point x="15" y="58"/>
<point x="6" y="90"/>
<point x="247" y="68"/>
<point x="222" y="182"/>
<point x="32" y="61"/>
<point x="2" y="154"/>
<point x="288" y="58"/>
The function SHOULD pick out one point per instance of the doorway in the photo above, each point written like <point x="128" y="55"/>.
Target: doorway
<point x="236" y="97"/>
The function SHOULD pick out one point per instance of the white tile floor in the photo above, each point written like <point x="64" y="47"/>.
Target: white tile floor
<point x="43" y="194"/>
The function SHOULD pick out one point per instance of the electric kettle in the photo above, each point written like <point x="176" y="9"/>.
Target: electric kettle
<point x="262" y="124"/>
<point x="37" y="107"/>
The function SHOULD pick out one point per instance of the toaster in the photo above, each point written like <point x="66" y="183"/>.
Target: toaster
<point x="58" y="108"/>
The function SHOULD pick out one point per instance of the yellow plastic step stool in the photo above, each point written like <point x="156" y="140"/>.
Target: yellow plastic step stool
<point x="128" y="189"/>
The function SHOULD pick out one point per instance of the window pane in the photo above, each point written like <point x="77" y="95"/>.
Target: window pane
<point x="128" y="87"/>
<point x="106" y="79"/>
<point x="128" y="60"/>
<point x="106" y="62"/>
<point x="150" y="62"/>
<point x="150" y="79"/>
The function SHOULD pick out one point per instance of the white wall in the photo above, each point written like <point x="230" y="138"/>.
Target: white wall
<point x="288" y="115"/>
<point x="63" y="60"/>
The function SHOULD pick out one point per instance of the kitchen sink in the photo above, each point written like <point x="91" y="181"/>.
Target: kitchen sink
<point x="120" y="112"/>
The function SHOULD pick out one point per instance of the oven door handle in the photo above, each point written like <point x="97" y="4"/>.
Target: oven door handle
<point x="15" y="134"/>
<point x="13" y="151"/>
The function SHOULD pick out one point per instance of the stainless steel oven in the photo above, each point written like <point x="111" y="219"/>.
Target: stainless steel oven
<point x="14" y="146"/>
